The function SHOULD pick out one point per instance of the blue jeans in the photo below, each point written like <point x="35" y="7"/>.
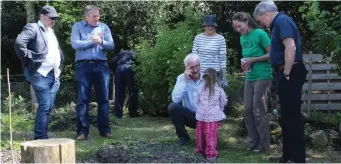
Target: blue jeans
<point x="94" y="73"/>
<point x="45" y="89"/>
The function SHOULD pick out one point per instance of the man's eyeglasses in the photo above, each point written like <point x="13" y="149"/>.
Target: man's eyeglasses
<point x="195" y="67"/>
<point x="53" y="18"/>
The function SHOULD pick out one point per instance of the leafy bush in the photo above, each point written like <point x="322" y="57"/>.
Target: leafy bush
<point x="20" y="122"/>
<point x="326" y="118"/>
<point x="19" y="105"/>
<point x="63" y="118"/>
<point x="159" y="65"/>
<point x="237" y="110"/>
<point x="236" y="82"/>
<point x="325" y="25"/>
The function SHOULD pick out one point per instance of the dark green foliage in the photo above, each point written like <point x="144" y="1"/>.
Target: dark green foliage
<point x="159" y="65"/>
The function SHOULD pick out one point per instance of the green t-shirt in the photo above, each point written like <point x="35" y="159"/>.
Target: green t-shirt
<point x="254" y="44"/>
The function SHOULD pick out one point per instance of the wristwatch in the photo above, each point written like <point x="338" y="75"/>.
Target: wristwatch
<point x="286" y="75"/>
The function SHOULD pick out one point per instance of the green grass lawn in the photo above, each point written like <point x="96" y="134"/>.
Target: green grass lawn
<point x="151" y="129"/>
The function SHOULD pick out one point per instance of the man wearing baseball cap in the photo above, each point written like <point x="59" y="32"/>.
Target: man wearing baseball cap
<point x="41" y="58"/>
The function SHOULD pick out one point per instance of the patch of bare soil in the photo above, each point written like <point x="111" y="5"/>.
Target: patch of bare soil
<point x="6" y="156"/>
<point x="143" y="152"/>
<point x="325" y="155"/>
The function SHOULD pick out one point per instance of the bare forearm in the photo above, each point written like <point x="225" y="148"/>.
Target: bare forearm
<point x="262" y="58"/>
<point x="289" y="55"/>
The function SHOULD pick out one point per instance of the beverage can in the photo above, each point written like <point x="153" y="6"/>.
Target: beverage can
<point x="243" y="60"/>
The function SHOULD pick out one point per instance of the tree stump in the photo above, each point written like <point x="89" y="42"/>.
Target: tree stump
<point x="57" y="150"/>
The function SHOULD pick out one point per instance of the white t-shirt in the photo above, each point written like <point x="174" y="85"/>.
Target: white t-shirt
<point x="52" y="59"/>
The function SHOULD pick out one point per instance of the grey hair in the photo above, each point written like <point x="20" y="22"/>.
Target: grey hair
<point x="90" y="8"/>
<point x="264" y="6"/>
<point x="191" y="56"/>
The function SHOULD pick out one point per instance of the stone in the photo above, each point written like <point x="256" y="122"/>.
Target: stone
<point x="273" y="125"/>
<point x="271" y="117"/>
<point x="307" y="129"/>
<point x="319" y="139"/>
<point x="72" y="104"/>
<point x="93" y="104"/>
<point x="112" y="107"/>
<point x="332" y="133"/>
<point x="276" y="139"/>
<point x="333" y="136"/>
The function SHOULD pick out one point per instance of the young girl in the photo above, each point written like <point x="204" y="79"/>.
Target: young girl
<point x="211" y="102"/>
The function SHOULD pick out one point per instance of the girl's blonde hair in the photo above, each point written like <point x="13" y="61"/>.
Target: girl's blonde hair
<point x="210" y="79"/>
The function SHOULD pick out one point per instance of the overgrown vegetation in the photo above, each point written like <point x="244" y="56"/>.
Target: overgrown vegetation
<point x="325" y="120"/>
<point x="325" y="23"/>
<point x="160" y="64"/>
<point x="162" y="32"/>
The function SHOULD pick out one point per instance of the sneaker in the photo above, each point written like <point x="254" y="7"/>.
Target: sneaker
<point x="183" y="141"/>
<point x="249" y="149"/>
<point x="81" y="137"/>
<point x="107" y="135"/>
<point x="259" y="150"/>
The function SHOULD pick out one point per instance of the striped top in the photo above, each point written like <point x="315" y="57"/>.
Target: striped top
<point x="211" y="50"/>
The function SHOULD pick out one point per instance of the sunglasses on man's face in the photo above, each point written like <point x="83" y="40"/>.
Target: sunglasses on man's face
<point x="53" y="18"/>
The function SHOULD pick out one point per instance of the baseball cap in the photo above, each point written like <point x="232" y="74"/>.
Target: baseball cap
<point x="49" y="11"/>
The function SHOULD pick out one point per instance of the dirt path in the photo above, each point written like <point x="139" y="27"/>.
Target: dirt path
<point x="142" y="152"/>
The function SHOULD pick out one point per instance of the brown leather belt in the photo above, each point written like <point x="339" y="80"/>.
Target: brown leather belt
<point x="282" y="66"/>
<point x="90" y="61"/>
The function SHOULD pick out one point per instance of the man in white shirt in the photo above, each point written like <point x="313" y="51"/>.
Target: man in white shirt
<point x="185" y="97"/>
<point x="41" y="57"/>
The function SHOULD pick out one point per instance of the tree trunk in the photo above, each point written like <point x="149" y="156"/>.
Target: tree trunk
<point x="31" y="17"/>
<point x="59" y="150"/>
<point x="30" y="11"/>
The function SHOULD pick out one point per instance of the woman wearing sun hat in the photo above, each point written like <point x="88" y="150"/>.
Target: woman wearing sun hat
<point x="211" y="48"/>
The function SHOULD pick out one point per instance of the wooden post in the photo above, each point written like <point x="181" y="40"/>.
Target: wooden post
<point x="310" y="81"/>
<point x="10" y="114"/>
<point x="328" y="82"/>
<point x="58" y="150"/>
<point x="113" y="87"/>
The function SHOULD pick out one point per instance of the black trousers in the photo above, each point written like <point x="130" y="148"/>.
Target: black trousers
<point x="289" y="92"/>
<point x="125" y="77"/>
<point x="181" y="117"/>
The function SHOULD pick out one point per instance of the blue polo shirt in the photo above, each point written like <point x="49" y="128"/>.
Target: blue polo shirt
<point x="283" y="27"/>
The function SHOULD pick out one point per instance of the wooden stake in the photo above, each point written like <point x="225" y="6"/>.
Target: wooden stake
<point x="10" y="113"/>
<point x="310" y="81"/>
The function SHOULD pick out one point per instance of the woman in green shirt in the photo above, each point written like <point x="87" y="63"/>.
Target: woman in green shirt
<point x="255" y="50"/>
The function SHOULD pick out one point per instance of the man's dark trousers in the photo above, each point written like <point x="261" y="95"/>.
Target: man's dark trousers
<point x="289" y="93"/>
<point x="181" y="117"/>
<point x="124" y="77"/>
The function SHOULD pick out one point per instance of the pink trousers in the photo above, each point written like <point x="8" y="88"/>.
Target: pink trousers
<point x="207" y="138"/>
